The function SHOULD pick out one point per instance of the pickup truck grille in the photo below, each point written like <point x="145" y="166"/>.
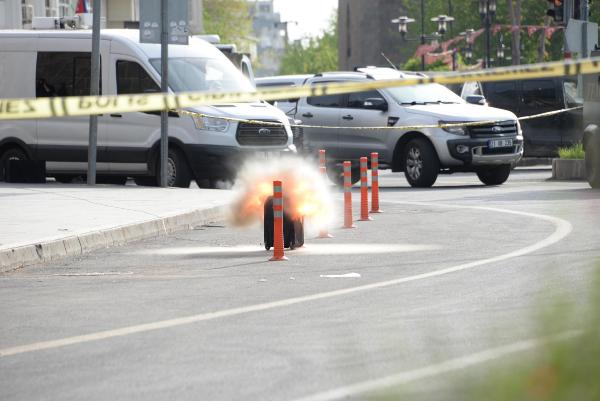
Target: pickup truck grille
<point x="499" y="129"/>
<point x="261" y="135"/>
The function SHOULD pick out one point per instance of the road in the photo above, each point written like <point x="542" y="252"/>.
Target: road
<point x="447" y="280"/>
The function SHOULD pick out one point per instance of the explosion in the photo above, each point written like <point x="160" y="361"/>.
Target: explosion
<point x="305" y="191"/>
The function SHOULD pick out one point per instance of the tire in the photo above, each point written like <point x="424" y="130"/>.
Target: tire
<point x="10" y="154"/>
<point x="336" y="174"/>
<point x="496" y="175"/>
<point x="111" y="179"/>
<point x="178" y="172"/>
<point x="592" y="161"/>
<point x="421" y="163"/>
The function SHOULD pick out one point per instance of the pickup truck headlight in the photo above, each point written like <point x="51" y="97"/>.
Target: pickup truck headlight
<point x="210" y="123"/>
<point x="454" y="129"/>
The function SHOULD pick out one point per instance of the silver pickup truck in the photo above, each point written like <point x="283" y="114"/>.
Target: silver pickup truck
<point x="591" y="124"/>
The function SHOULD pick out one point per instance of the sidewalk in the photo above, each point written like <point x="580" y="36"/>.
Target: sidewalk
<point x="41" y="222"/>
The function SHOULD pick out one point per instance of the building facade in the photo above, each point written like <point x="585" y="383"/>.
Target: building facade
<point x="18" y="14"/>
<point x="270" y="33"/>
<point x="365" y="32"/>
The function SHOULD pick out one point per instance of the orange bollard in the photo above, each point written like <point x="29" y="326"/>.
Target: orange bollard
<point x="323" y="170"/>
<point x="375" y="183"/>
<point x="348" y="195"/>
<point x="278" y="222"/>
<point x="364" y="191"/>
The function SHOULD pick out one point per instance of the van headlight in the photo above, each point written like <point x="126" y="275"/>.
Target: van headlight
<point x="211" y="123"/>
<point x="454" y="129"/>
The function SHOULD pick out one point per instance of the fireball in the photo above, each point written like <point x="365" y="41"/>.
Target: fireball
<point x="305" y="191"/>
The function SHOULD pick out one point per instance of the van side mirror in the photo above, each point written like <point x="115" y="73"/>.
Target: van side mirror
<point x="375" y="103"/>
<point x="476" y="99"/>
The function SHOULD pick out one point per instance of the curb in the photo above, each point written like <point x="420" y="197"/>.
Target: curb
<point x="15" y="258"/>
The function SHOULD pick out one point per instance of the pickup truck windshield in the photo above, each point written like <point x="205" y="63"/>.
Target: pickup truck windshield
<point x="195" y="74"/>
<point x="423" y="94"/>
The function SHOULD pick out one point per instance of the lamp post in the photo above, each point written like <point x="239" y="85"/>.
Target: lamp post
<point x="441" y="20"/>
<point x="500" y="50"/>
<point x="468" y="50"/>
<point x="487" y="11"/>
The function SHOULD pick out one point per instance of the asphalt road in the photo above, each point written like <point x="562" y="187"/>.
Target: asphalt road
<point x="447" y="280"/>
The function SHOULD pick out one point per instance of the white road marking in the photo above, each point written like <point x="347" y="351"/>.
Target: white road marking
<point x="562" y="229"/>
<point x="310" y="249"/>
<point x="447" y="366"/>
<point x="347" y="275"/>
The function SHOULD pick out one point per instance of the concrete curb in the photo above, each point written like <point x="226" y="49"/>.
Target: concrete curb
<point x="14" y="258"/>
<point x="568" y="169"/>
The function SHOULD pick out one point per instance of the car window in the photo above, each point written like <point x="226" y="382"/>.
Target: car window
<point x="573" y="95"/>
<point x="539" y="93"/>
<point x="132" y="78"/>
<point x="357" y="100"/>
<point x="325" y="101"/>
<point x="63" y="74"/>
<point x="502" y="94"/>
<point x="471" y="88"/>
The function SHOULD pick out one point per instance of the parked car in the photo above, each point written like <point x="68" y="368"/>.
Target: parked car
<point x="288" y="106"/>
<point x="591" y="122"/>
<point x="57" y="63"/>
<point x="543" y="136"/>
<point x="490" y="150"/>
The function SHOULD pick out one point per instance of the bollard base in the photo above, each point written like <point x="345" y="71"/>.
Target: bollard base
<point x="352" y="226"/>
<point x="281" y="259"/>
<point x="367" y="219"/>
<point x="376" y="211"/>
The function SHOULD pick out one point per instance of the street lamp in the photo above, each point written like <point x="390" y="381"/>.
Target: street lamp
<point x="487" y="11"/>
<point x="403" y="21"/>
<point x="500" y="50"/>
<point x="469" y="49"/>
<point x="442" y="21"/>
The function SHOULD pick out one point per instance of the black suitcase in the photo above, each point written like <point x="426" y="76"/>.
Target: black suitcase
<point x="293" y="230"/>
<point x="26" y="171"/>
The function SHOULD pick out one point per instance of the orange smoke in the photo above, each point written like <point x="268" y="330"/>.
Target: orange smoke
<point x="305" y="191"/>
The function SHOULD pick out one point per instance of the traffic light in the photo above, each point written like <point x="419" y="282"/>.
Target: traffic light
<point x="556" y="10"/>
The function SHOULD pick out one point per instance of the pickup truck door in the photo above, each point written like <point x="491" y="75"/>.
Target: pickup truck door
<point x="358" y="113"/>
<point x="321" y="111"/>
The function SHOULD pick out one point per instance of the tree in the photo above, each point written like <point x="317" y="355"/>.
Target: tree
<point x="229" y="19"/>
<point x="315" y="55"/>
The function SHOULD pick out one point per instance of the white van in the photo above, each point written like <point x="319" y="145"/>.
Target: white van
<point x="57" y="63"/>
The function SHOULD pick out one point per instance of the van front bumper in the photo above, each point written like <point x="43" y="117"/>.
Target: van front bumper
<point x="476" y="152"/>
<point x="224" y="162"/>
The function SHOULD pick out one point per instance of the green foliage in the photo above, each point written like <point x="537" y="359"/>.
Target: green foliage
<point x="229" y="19"/>
<point x="466" y="16"/>
<point x="315" y="55"/>
<point x="572" y="152"/>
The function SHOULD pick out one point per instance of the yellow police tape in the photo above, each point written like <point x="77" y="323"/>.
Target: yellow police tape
<point x="86" y="105"/>
<point x="395" y="127"/>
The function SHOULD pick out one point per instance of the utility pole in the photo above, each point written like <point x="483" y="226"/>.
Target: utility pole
<point x="422" y="33"/>
<point x="94" y="91"/>
<point x="164" y="87"/>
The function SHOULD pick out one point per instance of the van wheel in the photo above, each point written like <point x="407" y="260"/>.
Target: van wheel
<point x="178" y="172"/>
<point x="336" y="174"/>
<point x="494" y="175"/>
<point x="10" y="154"/>
<point x="421" y="164"/>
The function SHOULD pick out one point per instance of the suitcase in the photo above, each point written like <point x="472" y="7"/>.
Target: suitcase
<point x="26" y="171"/>
<point x="293" y="230"/>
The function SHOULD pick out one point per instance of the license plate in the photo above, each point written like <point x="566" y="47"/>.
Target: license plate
<point x="500" y="143"/>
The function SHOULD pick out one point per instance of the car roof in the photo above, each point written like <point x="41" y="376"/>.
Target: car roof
<point x="292" y="80"/>
<point x="125" y="36"/>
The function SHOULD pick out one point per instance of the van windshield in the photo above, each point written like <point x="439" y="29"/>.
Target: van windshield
<point x="423" y="94"/>
<point x="196" y="74"/>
